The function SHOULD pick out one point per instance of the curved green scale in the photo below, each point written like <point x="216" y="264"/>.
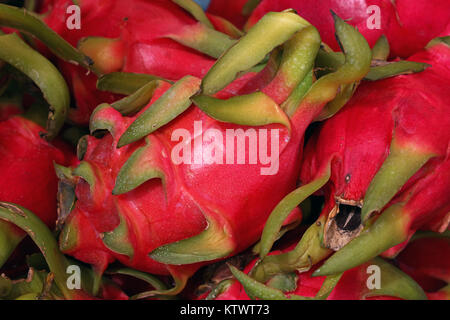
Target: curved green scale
<point x="213" y="243"/>
<point x="392" y="69"/>
<point x="139" y="168"/>
<point x="285" y="207"/>
<point x="228" y="28"/>
<point x="152" y="280"/>
<point x="97" y="122"/>
<point x="203" y="39"/>
<point x="171" y="104"/>
<point x="358" y="58"/>
<point x="139" y="99"/>
<point x="149" y="278"/>
<point x="328" y="286"/>
<point x="330" y="61"/>
<point x="299" y="54"/>
<point x="257" y="247"/>
<point x="307" y="252"/>
<point x="291" y="104"/>
<point x="69" y="236"/>
<point x="272" y="30"/>
<point x="125" y="82"/>
<point x="44" y="239"/>
<point x="381" y="49"/>
<point x="86" y="171"/>
<point x="346" y="91"/>
<point x="180" y="280"/>
<point x="44" y="74"/>
<point x="401" y="164"/>
<point x="255" y="109"/>
<point x="257" y="289"/>
<point x="439" y="40"/>
<point x="219" y="289"/>
<point x="195" y="10"/>
<point x="28" y="22"/>
<point x="118" y="241"/>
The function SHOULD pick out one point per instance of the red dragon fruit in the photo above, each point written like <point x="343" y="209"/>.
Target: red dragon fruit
<point x="49" y="276"/>
<point x="128" y="36"/>
<point x="28" y="176"/>
<point x="136" y="205"/>
<point x="408" y="26"/>
<point x="427" y="260"/>
<point x="383" y="164"/>
<point x="27" y="157"/>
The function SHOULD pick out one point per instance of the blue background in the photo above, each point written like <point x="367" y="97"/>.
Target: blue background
<point x="203" y="3"/>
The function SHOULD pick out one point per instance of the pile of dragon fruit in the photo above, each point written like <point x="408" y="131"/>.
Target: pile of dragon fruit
<point x="274" y="149"/>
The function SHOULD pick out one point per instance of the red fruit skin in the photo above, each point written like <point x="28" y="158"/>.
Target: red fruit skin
<point x="356" y="141"/>
<point x="237" y="195"/>
<point x="230" y="10"/>
<point x="427" y="261"/>
<point x="112" y="292"/>
<point x="408" y="26"/>
<point x="26" y="167"/>
<point x="141" y="27"/>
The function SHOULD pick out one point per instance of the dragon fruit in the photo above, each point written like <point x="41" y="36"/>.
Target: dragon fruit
<point x="408" y="27"/>
<point x="50" y="272"/>
<point x="27" y="156"/>
<point x="376" y="207"/>
<point x="136" y="205"/>
<point x="161" y="186"/>
<point x="132" y="37"/>
<point x="28" y="176"/>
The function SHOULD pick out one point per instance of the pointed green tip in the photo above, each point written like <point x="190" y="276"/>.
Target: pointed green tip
<point x="335" y="16"/>
<point x="62" y="172"/>
<point x="213" y="243"/>
<point x="123" y="141"/>
<point x="69" y="237"/>
<point x="256" y="289"/>
<point x="118" y="240"/>
<point x="319" y="272"/>
<point x="439" y="40"/>
<point x="401" y="164"/>
<point x="117" y="191"/>
<point x="177" y="253"/>
<point x="285" y="207"/>
<point x="139" y="168"/>
<point x="122" y="187"/>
